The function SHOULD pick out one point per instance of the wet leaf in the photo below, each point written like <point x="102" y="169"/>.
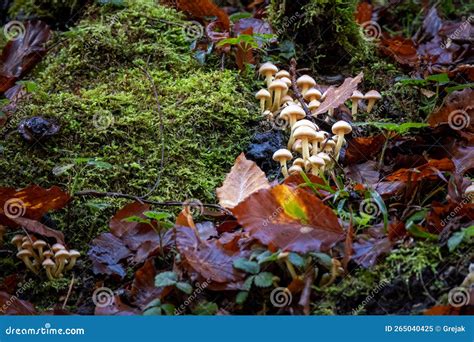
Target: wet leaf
<point x="364" y="12"/>
<point x="457" y="111"/>
<point x="290" y="219"/>
<point x="201" y="9"/>
<point x="244" y="179"/>
<point x="11" y="305"/>
<point x="144" y="290"/>
<point x="362" y="149"/>
<point x="430" y="171"/>
<point x="38" y="228"/>
<point x="106" y="253"/>
<point x="367" y="251"/>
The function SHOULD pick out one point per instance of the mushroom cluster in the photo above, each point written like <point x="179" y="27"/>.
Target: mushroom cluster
<point x="318" y="149"/>
<point x="36" y="255"/>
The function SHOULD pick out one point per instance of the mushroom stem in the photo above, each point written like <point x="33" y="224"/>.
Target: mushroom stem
<point x="291" y="269"/>
<point x="268" y="78"/>
<point x="59" y="268"/>
<point x="277" y="100"/>
<point x="331" y="111"/>
<point x="262" y="104"/>
<point x="305" y="148"/>
<point x="340" y="142"/>
<point x="29" y="265"/>
<point x="355" y="107"/>
<point x="284" y="168"/>
<point x="315" y="148"/>
<point x="370" y="105"/>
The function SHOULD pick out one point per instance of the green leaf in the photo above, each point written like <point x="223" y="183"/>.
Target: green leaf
<point x="264" y="279"/>
<point x="416" y="230"/>
<point x="137" y="219"/>
<point x="168" y="309"/>
<point x="156" y="311"/>
<point x="296" y="259"/>
<point x="395" y="127"/>
<point x="322" y="259"/>
<point x="383" y="208"/>
<point x="248" y="283"/>
<point x="205" y="308"/>
<point x="241" y="297"/>
<point x="459" y="87"/>
<point x="59" y="170"/>
<point x="438" y="78"/>
<point x="99" y="164"/>
<point x="185" y="287"/>
<point x="239" y="15"/>
<point x="166" y="279"/>
<point x="267" y="256"/>
<point x="247" y="266"/>
<point x="158" y="216"/>
<point x="457" y="238"/>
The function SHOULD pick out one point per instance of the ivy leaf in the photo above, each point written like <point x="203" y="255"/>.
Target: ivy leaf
<point x="247" y="265"/>
<point x="158" y="216"/>
<point x="264" y="279"/>
<point x="166" y="279"/>
<point x="185" y="287"/>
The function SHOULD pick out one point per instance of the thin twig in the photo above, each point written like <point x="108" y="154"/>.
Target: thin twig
<point x="69" y="291"/>
<point x="94" y="193"/>
<point x="162" y="130"/>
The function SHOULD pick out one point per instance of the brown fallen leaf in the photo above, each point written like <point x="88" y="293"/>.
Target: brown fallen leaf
<point x="457" y="111"/>
<point x="290" y="219"/>
<point x="201" y="9"/>
<point x="362" y="149"/>
<point x="116" y="307"/>
<point x="244" y="179"/>
<point x="402" y="49"/>
<point x="364" y="12"/>
<point x="337" y="96"/>
<point x="106" y="253"/>
<point x="32" y="202"/>
<point x="431" y="171"/>
<point x="143" y="286"/>
<point x="36" y="227"/>
<point x="12" y="305"/>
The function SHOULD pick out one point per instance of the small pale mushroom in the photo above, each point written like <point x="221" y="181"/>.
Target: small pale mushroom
<point x="300" y="123"/>
<point x="282" y="74"/>
<point x="356" y="97"/>
<point x="469" y="192"/>
<point x="25" y="255"/>
<point x="299" y="162"/>
<point x="60" y="257"/>
<point x="312" y="94"/>
<point x="39" y="246"/>
<point x="316" y="142"/>
<point x="29" y="246"/>
<point x="282" y="156"/>
<point x="74" y="255"/>
<point x="327" y="159"/>
<point x="304" y="83"/>
<point x="317" y="164"/>
<point x="268" y="70"/>
<point x="372" y="96"/>
<point x="277" y="88"/>
<point x="294" y="113"/>
<point x="49" y="266"/>
<point x="340" y="129"/>
<point x="288" y="84"/>
<point x="48" y="254"/>
<point x="295" y="170"/>
<point x="313" y="106"/>
<point x="57" y="247"/>
<point x="265" y="99"/>
<point x="297" y="146"/>
<point x="287" y="100"/>
<point x="329" y="145"/>
<point x="306" y="134"/>
<point x="18" y="241"/>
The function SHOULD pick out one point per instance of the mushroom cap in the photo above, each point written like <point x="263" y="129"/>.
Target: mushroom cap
<point x="315" y="160"/>
<point x="24" y="253"/>
<point x="278" y="85"/>
<point x="299" y="162"/>
<point x="39" y="244"/>
<point x="267" y="68"/>
<point x="306" y="123"/>
<point x="373" y="94"/>
<point x="262" y="94"/>
<point x="74" y="254"/>
<point x="305" y="80"/>
<point x="282" y="155"/>
<point x="287" y="81"/>
<point x="313" y="92"/>
<point x="341" y="127"/>
<point x="297" y="145"/>
<point x="287" y="98"/>
<point x="304" y="132"/>
<point x="314" y="105"/>
<point x="61" y="254"/>
<point x="324" y="156"/>
<point x="295" y="169"/>
<point x="357" y="95"/>
<point x="57" y="247"/>
<point x="329" y="143"/>
<point x="470" y="190"/>
<point x="319" y="137"/>
<point x="295" y="111"/>
<point x="282" y="73"/>
<point x="17" y="239"/>
<point x="48" y="263"/>
<point x="26" y="245"/>
<point x="48" y="254"/>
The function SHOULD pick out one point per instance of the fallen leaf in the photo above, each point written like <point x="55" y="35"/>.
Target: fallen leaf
<point x="364" y="12"/>
<point x="12" y="305"/>
<point x="36" y="227"/>
<point x="431" y="171"/>
<point x="367" y="251"/>
<point x="257" y="26"/>
<point x="457" y="111"/>
<point x="337" y="96"/>
<point x="362" y="149"/>
<point x="290" y="219"/>
<point x="143" y="286"/>
<point x="366" y="173"/>
<point x="244" y="179"/>
<point x="116" y="307"/>
<point x="402" y="49"/>
<point x="32" y="202"/>
<point x="106" y="253"/>
<point x="201" y="9"/>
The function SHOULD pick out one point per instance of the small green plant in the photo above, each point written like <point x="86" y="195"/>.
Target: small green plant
<point x="464" y="235"/>
<point x="157" y="308"/>
<point x="77" y="168"/>
<point x="171" y="279"/>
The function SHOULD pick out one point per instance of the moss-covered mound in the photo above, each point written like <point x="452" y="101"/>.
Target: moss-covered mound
<point x="95" y="86"/>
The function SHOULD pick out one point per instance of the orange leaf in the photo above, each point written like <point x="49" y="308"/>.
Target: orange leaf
<point x="244" y="179"/>
<point x="430" y="170"/>
<point x="457" y="111"/>
<point x="202" y="9"/>
<point x="290" y="219"/>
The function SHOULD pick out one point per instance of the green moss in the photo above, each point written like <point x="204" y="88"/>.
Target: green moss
<point x="95" y="87"/>
<point x="325" y="32"/>
<point x="45" y="9"/>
